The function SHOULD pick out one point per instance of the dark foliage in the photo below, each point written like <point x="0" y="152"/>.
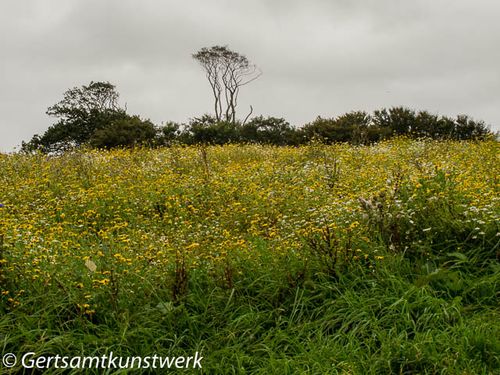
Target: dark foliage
<point x="91" y="116"/>
<point x="207" y="129"/>
<point x="81" y="112"/>
<point x="126" y="132"/>
<point x="350" y="127"/>
<point x="271" y="130"/>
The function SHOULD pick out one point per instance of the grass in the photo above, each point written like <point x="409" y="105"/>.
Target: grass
<point x="257" y="257"/>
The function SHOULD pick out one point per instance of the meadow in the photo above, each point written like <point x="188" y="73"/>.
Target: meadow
<point x="317" y="259"/>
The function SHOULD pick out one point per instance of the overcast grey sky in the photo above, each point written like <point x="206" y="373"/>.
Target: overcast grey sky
<point x="318" y="57"/>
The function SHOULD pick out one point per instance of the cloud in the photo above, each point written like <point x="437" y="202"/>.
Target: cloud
<point x="317" y="57"/>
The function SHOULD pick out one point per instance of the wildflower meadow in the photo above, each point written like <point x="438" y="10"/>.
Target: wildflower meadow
<point x="318" y="259"/>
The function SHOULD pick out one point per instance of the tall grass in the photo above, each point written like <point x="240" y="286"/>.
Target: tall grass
<point x="320" y="259"/>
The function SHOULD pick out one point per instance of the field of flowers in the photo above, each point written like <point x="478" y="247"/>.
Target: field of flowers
<point x="317" y="259"/>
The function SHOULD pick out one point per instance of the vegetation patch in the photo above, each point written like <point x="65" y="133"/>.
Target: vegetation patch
<point x="314" y="259"/>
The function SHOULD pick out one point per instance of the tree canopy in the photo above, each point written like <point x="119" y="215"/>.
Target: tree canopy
<point x="227" y="71"/>
<point x="90" y="114"/>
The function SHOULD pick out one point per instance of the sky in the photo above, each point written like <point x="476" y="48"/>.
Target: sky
<point x="317" y="57"/>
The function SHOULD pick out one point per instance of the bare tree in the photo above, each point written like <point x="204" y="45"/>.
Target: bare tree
<point x="227" y="71"/>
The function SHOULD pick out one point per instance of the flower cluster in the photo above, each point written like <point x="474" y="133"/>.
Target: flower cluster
<point x="132" y="212"/>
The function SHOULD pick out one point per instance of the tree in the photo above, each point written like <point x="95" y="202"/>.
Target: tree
<point x="349" y="127"/>
<point x="169" y="133"/>
<point x="126" y="132"/>
<point x="227" y="71"/>
<point x="426" y="125"/>
<point x="399" y="120"/>
<point x="467" y="128"/>
<point x="272" y="130"/>
<point x="208" y="130"/>
<point x="357" y="123"/>
<point x="81" y="102"/>
<point x="81" y="112"/>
